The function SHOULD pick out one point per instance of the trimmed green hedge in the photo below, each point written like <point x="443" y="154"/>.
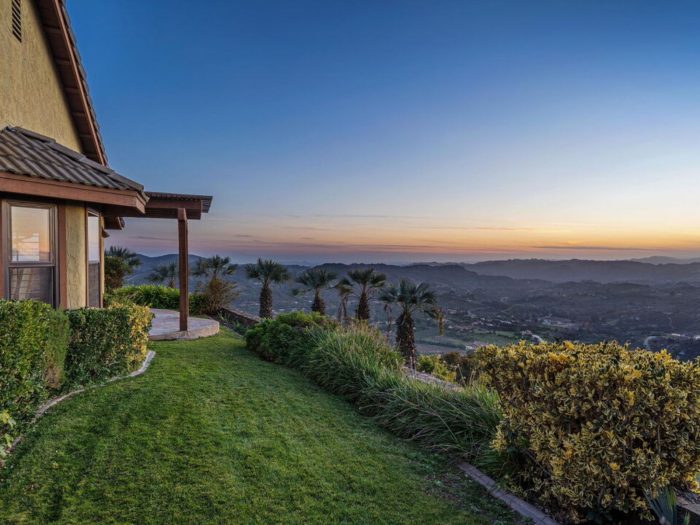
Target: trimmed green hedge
<point x="33" y="344"/>
<point x="106" y="342"/>
<point x="156" y="296"/>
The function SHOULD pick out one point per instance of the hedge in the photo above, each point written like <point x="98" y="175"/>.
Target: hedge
<point x="156" y="296"/>
<point x="33" y="344"/>
<point x="594" y="426"/>
<point x="106" y="342"/>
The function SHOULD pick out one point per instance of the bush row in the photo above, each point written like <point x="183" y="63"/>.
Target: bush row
<point x="589" y="431"/>
<point x="43" y="350"/>
<point x="157" y="296"/>
<point x="357" y="363"/>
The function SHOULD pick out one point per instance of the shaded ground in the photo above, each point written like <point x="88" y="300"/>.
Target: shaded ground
<point x="211" y="434"/>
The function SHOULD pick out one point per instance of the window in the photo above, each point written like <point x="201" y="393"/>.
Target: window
<point x="17" y="19"/>
<point x="94" y="259"/>
<point x="32" y="265"/>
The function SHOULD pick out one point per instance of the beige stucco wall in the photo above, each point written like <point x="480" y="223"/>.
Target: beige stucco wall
<point x="76" y="246"/>
<point x="31" y="95"/>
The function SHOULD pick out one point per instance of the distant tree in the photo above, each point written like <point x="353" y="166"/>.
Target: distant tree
<point x="369" y="281"/>
<point x="410" y="298"/>
<point x="217" y="291"/>
<point x="344" y="288"/>
<point x="164" y="274"/>
<point x="388" y="299"/>
<point x="316" y="280"/>
<point x="119" y="263"/>
<point x="267" y="272"/>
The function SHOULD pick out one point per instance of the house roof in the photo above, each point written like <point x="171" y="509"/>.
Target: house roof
<point x="27" y="153"/>
<point x="61" y="40"/>
<point x="204" y="200"/>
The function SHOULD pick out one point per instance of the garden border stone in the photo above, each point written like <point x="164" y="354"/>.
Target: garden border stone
<point x="515" y="503"/>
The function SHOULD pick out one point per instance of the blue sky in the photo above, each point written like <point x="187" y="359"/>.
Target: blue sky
<point x="400" y="130"/>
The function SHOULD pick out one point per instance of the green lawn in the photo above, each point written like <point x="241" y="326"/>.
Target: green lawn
<point x="211" y="434"/>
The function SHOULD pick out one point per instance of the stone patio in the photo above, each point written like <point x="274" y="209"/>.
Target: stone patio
<point x="166" y="326"/>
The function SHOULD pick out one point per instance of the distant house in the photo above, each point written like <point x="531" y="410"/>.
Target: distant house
<point x="57" y="193"/>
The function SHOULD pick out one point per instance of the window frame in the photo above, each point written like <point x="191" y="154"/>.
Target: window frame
<point x="91" y="212"/>
<point x="53" y="244"/>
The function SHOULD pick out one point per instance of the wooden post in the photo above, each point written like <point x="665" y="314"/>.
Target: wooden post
<point x="184" y="269"/>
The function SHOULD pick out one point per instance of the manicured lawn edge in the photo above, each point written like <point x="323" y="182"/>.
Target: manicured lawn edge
<point x="43" y="409"/>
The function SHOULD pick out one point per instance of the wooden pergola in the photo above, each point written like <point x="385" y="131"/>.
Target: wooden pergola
<point x="182" y="207"/>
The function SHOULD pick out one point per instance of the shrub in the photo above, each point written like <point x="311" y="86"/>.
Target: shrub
<point x="436" y="366"/>
<point x="33" y="342"/>
<point x="216" y="294"/>
<point x="596" y="425"/>
<point x="155" y="296"/>
<point x="286" y="337"/>
<point x="106" y="343"/>
<point x="465" y="366"/>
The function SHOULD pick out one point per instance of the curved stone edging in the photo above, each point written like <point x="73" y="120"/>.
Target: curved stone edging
<point x="56" y="400"/>
<point x="515" y="503"/>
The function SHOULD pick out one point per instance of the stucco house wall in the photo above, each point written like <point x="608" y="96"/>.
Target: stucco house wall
<point x="31" y="95"/>
<point x="76" y="256"/>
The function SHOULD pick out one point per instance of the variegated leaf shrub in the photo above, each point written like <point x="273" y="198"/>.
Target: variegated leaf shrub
<point x="595" y="425"/>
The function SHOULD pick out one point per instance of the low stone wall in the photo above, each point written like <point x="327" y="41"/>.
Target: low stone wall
<point x="238" y="317"/>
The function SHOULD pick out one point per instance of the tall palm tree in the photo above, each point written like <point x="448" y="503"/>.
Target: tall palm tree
<point x="267" y="272"/>
<point x="217" y="292"/>
<point x="411" y="298"/>
<point x="369" y="281"/>
<point x="316" y="280"/>
<point x="344" y="288"/>
<point x="164" y="273"/>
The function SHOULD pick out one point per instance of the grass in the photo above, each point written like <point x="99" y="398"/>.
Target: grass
<point x="212" y="434"/>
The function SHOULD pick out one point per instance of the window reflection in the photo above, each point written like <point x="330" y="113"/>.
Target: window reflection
<point x="31" y="234"/>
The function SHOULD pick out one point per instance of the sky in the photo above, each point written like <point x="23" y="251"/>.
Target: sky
<point x="396" y="131"/>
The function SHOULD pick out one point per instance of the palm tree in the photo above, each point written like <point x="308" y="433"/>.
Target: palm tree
<point x="214" y="267"/>
<point x="164" y="273"/>
<point x="216" y="291"/>
<point x="369" y="281"/>
<point x="267" y="272"/>
<point x="119" y="262"/>
<point x="124" y="254"/>
<point x="410" y="298"/>
<point x="344" y="288"/>
<point x="316" y="279"/>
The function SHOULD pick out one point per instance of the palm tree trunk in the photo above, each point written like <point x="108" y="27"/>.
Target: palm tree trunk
<point x="318" y="305"/>
<point x="266" y="302"/>
<point x="363" y="307"/>
<point x="405" y="339"/>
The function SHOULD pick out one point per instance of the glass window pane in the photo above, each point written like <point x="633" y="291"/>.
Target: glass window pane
<point x="27" y="282"/>
<point x="94" y="285"/>
<point x="31" y="234"/>
<point x="93" y="238"/>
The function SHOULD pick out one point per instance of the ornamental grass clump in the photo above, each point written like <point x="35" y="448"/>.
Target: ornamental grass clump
<point x="595" y="426"/>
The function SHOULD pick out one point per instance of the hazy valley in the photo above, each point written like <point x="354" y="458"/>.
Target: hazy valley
<point x="647" y="304"/>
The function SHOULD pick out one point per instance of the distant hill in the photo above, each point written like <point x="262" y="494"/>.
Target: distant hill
<point x="576" y="270"/>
